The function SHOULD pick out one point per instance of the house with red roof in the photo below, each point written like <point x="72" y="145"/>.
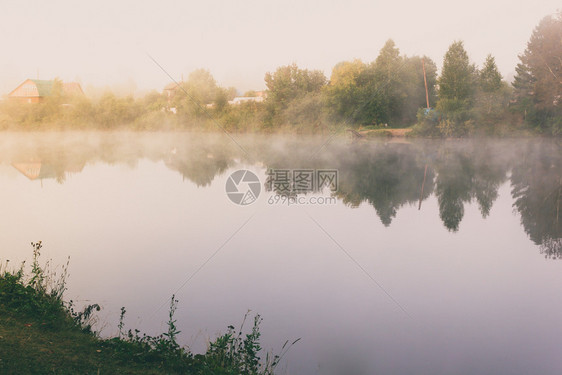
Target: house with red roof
<point x="36" y="90"/>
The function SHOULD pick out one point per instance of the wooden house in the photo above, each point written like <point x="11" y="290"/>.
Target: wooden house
<point x="36" y="90"/>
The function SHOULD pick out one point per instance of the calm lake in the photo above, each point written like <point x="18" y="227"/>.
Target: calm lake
<point x="421" y="257"/>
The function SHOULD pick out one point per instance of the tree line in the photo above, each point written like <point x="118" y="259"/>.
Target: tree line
<point x="387" y="92"/>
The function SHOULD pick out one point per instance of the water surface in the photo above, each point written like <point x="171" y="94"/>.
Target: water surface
<point x="435" y="257"/>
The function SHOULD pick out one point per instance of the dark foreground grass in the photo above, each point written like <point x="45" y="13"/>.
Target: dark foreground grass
<point x="27" y="346"/>
<point x="40" y="333"/>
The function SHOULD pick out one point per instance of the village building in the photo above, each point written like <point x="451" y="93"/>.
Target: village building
<point x="36" y="90"/>
<point x="170" y="89"/>
<point x="258" y="98"/>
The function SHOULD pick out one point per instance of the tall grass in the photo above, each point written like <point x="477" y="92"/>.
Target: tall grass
<point x="38" y="295"/>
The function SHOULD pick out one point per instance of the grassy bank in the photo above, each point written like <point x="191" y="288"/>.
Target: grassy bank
<point x="41" y="333"/>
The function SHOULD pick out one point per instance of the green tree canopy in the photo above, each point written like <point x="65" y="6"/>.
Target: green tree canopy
<point x="388" y="80"/>
<point x="493" y="94"/>
<point x="201" y="86"/>
<point x="289" y="91"/>
<point x="457" y="81"/>
<point x="388" y="90"/>
<point x="289" y="83"/>
<point x="413" y="87"/>
<point x="202" y="90"/>
<point x="490" y="77"/>
<point x="345" y="89"/>
<point x="538" y="83"/>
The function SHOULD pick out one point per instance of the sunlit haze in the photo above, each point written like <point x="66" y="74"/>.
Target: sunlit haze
<point x="105" y="43"/>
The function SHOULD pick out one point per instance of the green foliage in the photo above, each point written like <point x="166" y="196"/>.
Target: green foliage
<point x="220" y="100"/>
<point x="39" y="295"/>
<point x="173" y="331"/>
<point x="490" y="77"/>
<point x="387" y="74"/>
<point x="113" y="112"/>
<point x="492" y="98"/>
<point x="39" y="298"/>
<point x="538" y="86"/>
<point x="389" y="90"/>
<point x="427" y="122"/>
<point x="195" y="94"/>
<point x="345" y="89"/>
<point x="37" y="281"/>
<point x="307" y="114"/>
<point x="413" y="88"/>
<point x="470" y="102"/>
<point x="237" y="353"/>
<point x="292" y="89"/>
<point x="153" y="102"/>
<point x="452" y="128"/>
<point x="290" y="83"/>
<point x="243" y="117"/>
<point x="86" y="318"/>
<point x="457" y="84"/>
<point x="121" y="324"/>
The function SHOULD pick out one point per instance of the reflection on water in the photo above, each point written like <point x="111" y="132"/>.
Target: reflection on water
<point x="537" y="189"/>
<point x="387" y="176"/>
<point x="450" y="231"/>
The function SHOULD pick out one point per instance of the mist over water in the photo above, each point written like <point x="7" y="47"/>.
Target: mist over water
<point x="437" y="257"/>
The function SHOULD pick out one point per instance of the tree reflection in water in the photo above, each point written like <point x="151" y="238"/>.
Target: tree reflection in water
<point x="385" y="175"/>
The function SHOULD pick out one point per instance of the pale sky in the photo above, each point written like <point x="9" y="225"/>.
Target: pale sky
<point x="104" y="42"/>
